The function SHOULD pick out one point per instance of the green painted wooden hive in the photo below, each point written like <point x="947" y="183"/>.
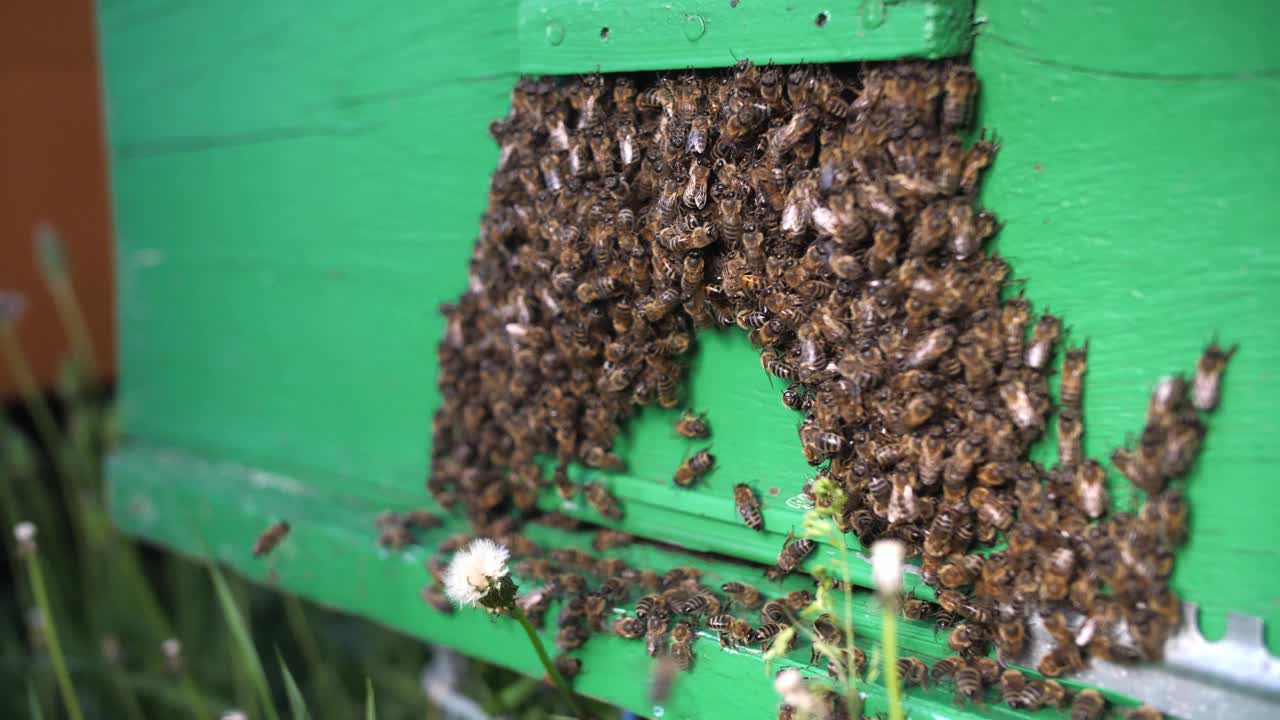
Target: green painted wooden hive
<point x="298" y="186"/>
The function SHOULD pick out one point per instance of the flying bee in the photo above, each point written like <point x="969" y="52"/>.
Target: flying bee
<point x="603" y="501"/>
<point x="744" y="498"/>
<point x="793" y="552"/>
<point x="693" y="426"/>
<point x="1043" y="337"/>
<point x="695" y="467"/>
<point x="270" y="538"/>
<point x="1206" y="386"/>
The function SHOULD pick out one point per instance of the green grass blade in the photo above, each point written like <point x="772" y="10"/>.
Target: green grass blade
<point x="33" y="702"/>
<point x="297" y="704"/>
<point x="240" y="634"/>
<point x="370" y="712"/>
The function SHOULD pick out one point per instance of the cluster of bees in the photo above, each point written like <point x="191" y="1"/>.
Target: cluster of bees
<point x="831" y="214"/>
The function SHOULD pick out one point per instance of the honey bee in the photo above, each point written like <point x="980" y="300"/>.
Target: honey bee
<point x="695" y="467"/>
<point x="913" y="671"/>
<point x="947" y="668"/>
<point x="748" y="506"/>
<point x="968" y="639"/>
<point x="607" y="539"/>
<point x="603" y="501"/>
<point x="631" y="628"/>
<point x="1010" y="638"/>
<point x="774" y="611"/>
<point x="968" y="684"/>
<point x="990" y="508"/>
<point x="1073" y="368"/>
<point x="693" y="426"/>
<point x="1043" y="337"/>
<point x="1143" y="712"/>
<point x="1070" y="430"/>
<point x="270" y="538"/>
<point x="914" y="609"/>
<point x="959" y="571"/>
<point x="1207" y="383"/>
<point x="1061" y="659"/>
<point x="1088" y="704"/>
<point x="794" y="551"/>
<point x="695" y="192"/>
<point x="655" y="637"/>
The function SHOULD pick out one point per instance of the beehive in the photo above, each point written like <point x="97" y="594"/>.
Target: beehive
<point x="292" y="206"/>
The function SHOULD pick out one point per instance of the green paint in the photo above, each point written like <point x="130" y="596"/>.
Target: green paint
<point x="297" y="187"/>
<point x="563" y="36"/>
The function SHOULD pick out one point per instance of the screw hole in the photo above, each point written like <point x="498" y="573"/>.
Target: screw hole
<point x="604" y="33"/>
<point x="821" y="20"/>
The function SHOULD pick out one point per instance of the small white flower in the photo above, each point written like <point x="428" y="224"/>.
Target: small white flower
<point x="886" y="566"/>
<point x="790" y="685"/>
<point x="24" y="532"/>
<point x="234" y="715"/>
<point x="172" y="648"/>
<point x="474" y="570"/>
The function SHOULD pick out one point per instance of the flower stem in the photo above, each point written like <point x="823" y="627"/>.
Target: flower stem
<point x="889" y="641"/>
<point x="67" y="691"/>
<point x="552" y="672"/>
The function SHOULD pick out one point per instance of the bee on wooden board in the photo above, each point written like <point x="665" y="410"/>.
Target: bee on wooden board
<point x="794" y="551"/>
<point x="693" y="426"/>
<point x="270" y="538"/>
<point x="744" y="499"/>
<point x="694" y="468"/>
<point x="805" y="206"/>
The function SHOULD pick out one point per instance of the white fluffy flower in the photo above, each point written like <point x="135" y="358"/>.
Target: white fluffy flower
<point x="886" y="565"/>
<point x="790" y="685"/>
<point x="474" y="570"/>
<point x="24" y="532"/>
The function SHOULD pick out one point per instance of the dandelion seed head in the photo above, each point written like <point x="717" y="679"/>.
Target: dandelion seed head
<point x="474" y="570"/>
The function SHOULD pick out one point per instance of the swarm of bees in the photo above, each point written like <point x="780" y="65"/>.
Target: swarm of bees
<point x="830" y="213"/>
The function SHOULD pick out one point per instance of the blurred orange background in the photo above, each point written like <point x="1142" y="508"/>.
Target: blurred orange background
<point x="53" y="168"/>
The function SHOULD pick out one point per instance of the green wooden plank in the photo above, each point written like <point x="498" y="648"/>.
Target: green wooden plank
<point x="575" y="36"/>
<point x="297" y="188"/>
<point x="220" y="508"/>
<point x="1140" y="209"/>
